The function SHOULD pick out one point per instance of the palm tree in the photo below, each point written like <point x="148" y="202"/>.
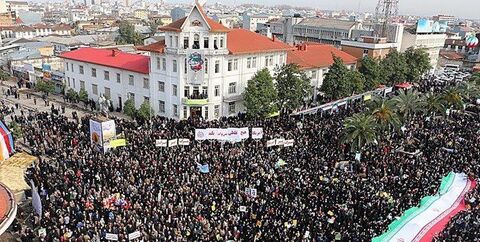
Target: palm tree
<point x="453" y="98"/>
<point x="434" y="104"/>
<point x="469" y="89"/>
<point x="383" y="111"/>
<point x="408" y="102"/>
<point x="360" y="130"/>
<point x="3" y="75"/>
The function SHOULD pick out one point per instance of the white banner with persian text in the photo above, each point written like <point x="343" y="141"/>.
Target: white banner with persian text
<point x="257" y="133"/>
<point x="229" y="134"/>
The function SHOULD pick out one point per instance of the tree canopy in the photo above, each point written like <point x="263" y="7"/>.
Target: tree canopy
<point x="370" y="69"/>
<point x="418" y="63"/>
<point x="127" y="34"/>
<point x="129" y="108"/>
<point x="45" y="86"/>
<point x="394" y="68"/>
<point x="293" y="86"/>
<point x="260" y="96"/>
<point x="340" y="82"/>
<point x="145" y="111"/>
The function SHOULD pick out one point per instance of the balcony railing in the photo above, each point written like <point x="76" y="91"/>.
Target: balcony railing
<point x="195" y="100"/>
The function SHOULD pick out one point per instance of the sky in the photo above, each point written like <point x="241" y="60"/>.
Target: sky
<point x="459" y="8"/>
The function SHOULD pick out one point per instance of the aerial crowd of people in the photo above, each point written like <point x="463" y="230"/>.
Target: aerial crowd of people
<point x="320" y="192"/>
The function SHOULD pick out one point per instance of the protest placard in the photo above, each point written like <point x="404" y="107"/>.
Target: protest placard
<point x="172" y="142"/>
<point x="161" y="143"/>
<point x="257" y="133"/>
<point x="112" y="237"/>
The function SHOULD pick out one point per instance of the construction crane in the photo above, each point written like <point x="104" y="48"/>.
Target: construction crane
<point x="384" y="12"/>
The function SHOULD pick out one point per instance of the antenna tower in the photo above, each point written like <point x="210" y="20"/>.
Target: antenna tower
<point x="384" y="12"/>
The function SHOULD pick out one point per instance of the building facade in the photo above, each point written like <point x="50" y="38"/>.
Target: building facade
<point x="432" y="43"/>
<point x="116" y="75"/>
<point x="376" y="48"/>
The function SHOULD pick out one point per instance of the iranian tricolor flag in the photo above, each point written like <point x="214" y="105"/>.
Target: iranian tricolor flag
<point x="422" y="223"/>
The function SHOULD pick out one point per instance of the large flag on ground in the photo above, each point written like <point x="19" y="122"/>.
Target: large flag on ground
<point x="6" y="142"/>
<point x="36" y="201"/>
<point x="430" y="217"/>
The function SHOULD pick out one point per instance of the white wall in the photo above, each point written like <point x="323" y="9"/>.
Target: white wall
<point x="116" y="89"/>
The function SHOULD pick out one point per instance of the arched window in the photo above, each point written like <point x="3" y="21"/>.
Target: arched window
<point x="196" y="41"/>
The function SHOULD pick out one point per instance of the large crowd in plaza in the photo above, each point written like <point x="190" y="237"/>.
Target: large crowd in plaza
<point x="161" y="193"/>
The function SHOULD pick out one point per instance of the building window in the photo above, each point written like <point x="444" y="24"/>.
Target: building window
<point x="216" y="111"/>
<point x="215" y="46"/>
<point x="161" y="86"/>
<point x="130" y="80"/>
<point x="206" y="113"/>
<point x="221" y="42"/>
<point x="94" y="72"/>
<point x="249" y="62"/>
<point x="118" y="78"/>
<point x="280" y="60"/>
<point x="73" y="82"/>
<point x="174" y="90"/>
<point x="82" y="85"/>
<point x="161" y="106"/>
<point x="254" y="62"/>
<point x="131" y="96"/>
<point x="175" y="110"/>
<point x="186" y="91"/>
<point x="206" y="65"/>
<point x="196" y="41"/>
<point x="314" y="74"/>
<point x="205" y="91"/>
<point x="232" y="87"/>
<point x="205" y="42"/>
<point x="176" y="41"/>
<point x="174" y="63"/>
<point x="164" y="64"/>
<point x="146" y="99"/>
<point x="68" y="81"/>
<point x="73" y="70"/>
<point x="94" y="89"/>
<point x="185" y="42"/>
<point x="230" y="64"/>
<point x="231" y="108"/>
<point x="158" y="63"/>
<point x="107" y="93"/>
<point x="146" y="83"/>
<point x="185" y="66"/>
<point x="106" y="75"/>
<point x="217" y="66"/>
<point x="185" y="113"/>
<point x="217" y="90"/>
<point x="235" y="64"/>
<point x="80" y="69"/>
<point x="67" y="66"/>
<point x="171" y="41"/>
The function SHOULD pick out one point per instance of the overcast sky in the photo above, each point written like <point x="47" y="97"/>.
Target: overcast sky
<point x="458" y="8"/>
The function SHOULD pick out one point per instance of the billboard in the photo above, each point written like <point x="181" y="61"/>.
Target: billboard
<point x="430" y="26"/>
<point x="102" y="133"/>
<point x="96" y="132"/>
<point x="195" y="65"/>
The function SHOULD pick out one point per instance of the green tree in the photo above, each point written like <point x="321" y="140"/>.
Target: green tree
<point x="260" y="95"/>
<point x="384" y="112"/>
<point x="360" y="130"/>
<point x="469" y="89"/>
<point x="293" y="86"/>
<point x="72" y="95"/>
<point x="453" y="98"/>
<point x="45" y="87"/>
<point x="153" y="27"/>
<point x="394" y="68"/>
<point x="408" y="102"/>
<point x="3" y="75"/>
<point x="335" y="84"/>
<point x="129" y="108"/>
<point x="433" y="104"/>
<point x="16" y="129"/>
<point x="372" y="72"/>
<point x="475" y="78"/>
<point x="418" y="63"/>
<point x="356" y="82"/>
<point x="145" y="112"/>
<point x="127" y="34"/>
<point x="83" y="95"/>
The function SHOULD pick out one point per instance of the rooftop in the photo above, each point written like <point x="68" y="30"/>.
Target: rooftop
<point x="328" y="23"/>
<point x="311" y="55"/>
<point x="110" y="58"/>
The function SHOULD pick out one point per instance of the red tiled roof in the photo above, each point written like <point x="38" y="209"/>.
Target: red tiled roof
<point x="451" y="55"/>
<point x="158" y="47"/>
<point x="242" y="41"/>
<point x="317" y="56"/>
<point x="121" y="60"/>
<point x="23" y="28"/>
<point x="177" y="25"/>
<point x="18" y="21"/>
<point x="61" y="27"/>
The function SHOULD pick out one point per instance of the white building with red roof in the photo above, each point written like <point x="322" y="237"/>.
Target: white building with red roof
<point x="116" y="75"/>
<point x="202" y="67"/>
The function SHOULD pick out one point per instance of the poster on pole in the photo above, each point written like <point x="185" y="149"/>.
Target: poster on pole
<point x="280" y="142"/>
<point x="96" y="132"/>
<point x="172" y="142"/>
<point x="183" y="142"/>
<point x="270" y="143"/>
<point x="134" y="235"/>
<point x="257" y="133"/>
<point x="111" y="237"/>
<point x="288" y="143"/>
<point x="161" y="143"/>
